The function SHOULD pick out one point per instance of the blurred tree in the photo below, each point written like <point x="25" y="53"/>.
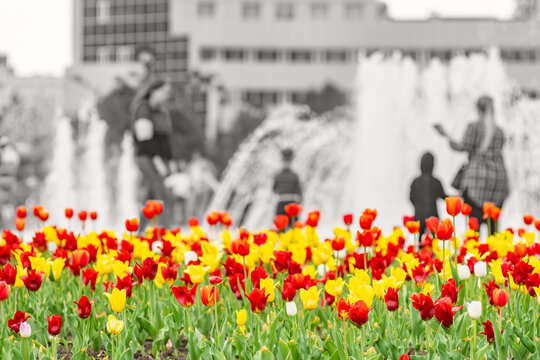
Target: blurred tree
<point x="328" y="98"/>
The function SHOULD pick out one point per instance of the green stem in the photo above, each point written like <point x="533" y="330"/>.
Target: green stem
<point x="345" y="338"/>
<point x="455" y="240"/>
<point x="474" y="342"/>
<point x="362" y="342"/>
<point x="443" y="261"/>
<point x="25" y="340"/>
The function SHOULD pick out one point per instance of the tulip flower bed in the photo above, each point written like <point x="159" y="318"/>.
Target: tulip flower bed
<point x="217" y="292"/>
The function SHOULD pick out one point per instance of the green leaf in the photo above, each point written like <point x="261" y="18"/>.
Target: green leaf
<point x="145" y="324"/>
<point x="263" y="355"/>
<point x="294" y="350"/>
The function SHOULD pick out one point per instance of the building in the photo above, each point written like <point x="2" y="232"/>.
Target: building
<point x="108" y="34"/>
<point x="271" y="51"/>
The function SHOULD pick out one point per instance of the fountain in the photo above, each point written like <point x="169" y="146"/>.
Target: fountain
<point x="128" y="173"/>
<point x="346" y="166"/>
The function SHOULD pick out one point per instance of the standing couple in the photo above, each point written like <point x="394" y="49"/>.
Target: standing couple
<point x="483" y="179"/>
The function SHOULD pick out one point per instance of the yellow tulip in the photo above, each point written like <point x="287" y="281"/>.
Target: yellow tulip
<point x="513" y="284"/>
<point x="117" y="299"/>
<point x="196" y="273"/>
<point x="359" y="291"/>
<point x="378" y="288"/>
<point x="120" y="268"/>
<point x="114" y="326"/>
<point x="268" y="286"/>
<point x="310" y="298"/>
<point x="361" y="276"/>
<point x="241" y="317"/>
<point x="496" y="270"/>
<point x="428" y="289"/>
<point x="40" y="265"/>
<point x="334" y="287"/>
<point x="20" y="272"/>
<point x="400" y="275"/>
<point x="57" y="267"/>
<point x="310" y="270"/>
<point x="537" y="291"/>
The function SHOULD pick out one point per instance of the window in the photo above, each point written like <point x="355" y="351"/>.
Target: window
<point x="285" y="11"/>
<point x="319" y="10"/>
<point x="234" y="54"/>
<point x="261" y="98"/>
<point x="336" y="56"/>
<point x="267" y="55"/>
<point x="300" y="56"/>
<point x="103" y="11"/>
<point x="208" y="54"/>
<point x="206" y="9"/>
<point x="353" y="10"/>
<point x="251" y="10"/>
<point x="103" y="54"/>
<point x="124" y="54"/>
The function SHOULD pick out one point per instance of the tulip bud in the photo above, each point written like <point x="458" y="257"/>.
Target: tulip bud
<point x="241" y="317"/>
<point x="474" y="308"/>
<point x="190" y="256"/>
<point x="291" y="308"/>
<point x="464" y="272"/>
<point x="480" y="269"/>
<point x="25" y="330"/>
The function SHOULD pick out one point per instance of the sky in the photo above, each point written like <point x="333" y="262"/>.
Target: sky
<point x="37" y="34"/>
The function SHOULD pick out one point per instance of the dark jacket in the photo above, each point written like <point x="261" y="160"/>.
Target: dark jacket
<point x="425" y="190"/>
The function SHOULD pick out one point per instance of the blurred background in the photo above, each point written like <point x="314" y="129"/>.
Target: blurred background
<point x="353" y="87"/>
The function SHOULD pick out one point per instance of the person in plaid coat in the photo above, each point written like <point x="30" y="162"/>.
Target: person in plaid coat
<point x="485" y="178"/>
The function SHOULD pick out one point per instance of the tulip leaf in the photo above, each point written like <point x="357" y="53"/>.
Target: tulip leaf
<point x="283" y="348"/>
<point x="294" y="351"/>
<point x="145" y="324"/>
<point x="263" y="355"/>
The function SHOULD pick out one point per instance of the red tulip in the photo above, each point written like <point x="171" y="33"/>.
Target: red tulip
<point x="214" y="280"/>
<point x="424" y="304"/>
<point x="449" y="290"/>
<point x="149" y="269"/>
<point x="490" y="287"/>
<point x="209" y="295"/>
<point x="488" y="331"/>
<point x="192" y="222"/>
<point x="148" y="212"/>
<point x="473" y="224"/>
<point x="293" y="210"/>
<point x="132" y="225"/>
<point x="69" y="213"/>
<point x="185" y="296"/>
<point x="4" y="290"/>
<point x="33" y="280"/>
<point x="260" y="239"/>
<point x="81" y="257"/>
<point x="405" y="357"/>
<point x="226" y="220"/>
<point x="288" y="292"/>
<point x="391" y="299"/>
<point x="500" y="297"/>
<point x="15" y="323"/>
<point x="212" y="218"/>
<point x="10" y="274"/>
<point x="413" y="226"/>
<point x="445" y="230"/>
<point x="365" y="238"/>
<point x="495" y="214"/>
<point x="432" y="223"/>
<point x="258" y="299"/>
<point x="281" y="222"/>
<point x="240" y="247"/>
<point x="338" y="243"/>
<point x="36" y="209"/>
<point x="157" y="206"/>
<point x="82" y="215"/>
<point x="537" y="225"/>
<point x="298" y="281"/>
<point x="93" y="215"/>
<point x="466" y="209"/>
<point x="359" y="313"/>
<point x="313" y="219"/>
<point x="348" y="219"/>
<point x="125" y="283"/>
<point x="20" y="223"/>
<point x="406" y="219"/>
<point x="21" y="212"/>
<point x="55" y="324"/>
<point x="366" y="221"/>
<point x="90" y="277"/>
<point x="444" y="311"/>
<point x="453" y="205"/>
<point x="343" y="308"/>
<point x="84" y="307"/>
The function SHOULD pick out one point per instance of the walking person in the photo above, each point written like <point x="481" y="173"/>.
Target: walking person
<point x="484" y="178"/>
<point x="287" y="184"/>
<point x="152" y="131"/>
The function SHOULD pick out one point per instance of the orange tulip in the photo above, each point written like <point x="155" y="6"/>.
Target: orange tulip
<point x="21" y="211"/>
<point x="209" y="295"/>
<point x="445" y="230"/>
<point x="487" y="208"/>
<point x="20" y="223"/>
<point x="81" y="257"/>
<point x="413" y="226"/>
<point x="466" y="209"/>
<point x="500" y="297"/>
<point x="528" y="219"/>
<point x="453" y="205"/>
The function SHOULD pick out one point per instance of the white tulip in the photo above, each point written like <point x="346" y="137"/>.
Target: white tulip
<point x="291" y="308"/>
<point x="25" y="330"/>
<point x="480" y="269"/>
<point x="474" y="308"/>
<point x="157" y="246"/>
<point x="190" y="256"/>
<point x="321" y="270"/>
<point x="464" y="272"/>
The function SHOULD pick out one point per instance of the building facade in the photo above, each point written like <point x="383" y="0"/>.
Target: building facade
<point x="271" y="51"/>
